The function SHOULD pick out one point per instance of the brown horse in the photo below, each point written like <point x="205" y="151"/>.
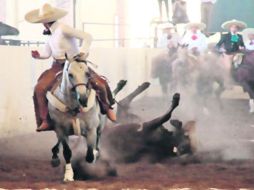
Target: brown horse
<point x="244" y="74"/>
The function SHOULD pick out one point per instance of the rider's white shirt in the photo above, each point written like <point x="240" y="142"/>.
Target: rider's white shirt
<point x="200" y="43"/>
<point x="248" y="45"/>
<point x="164" y="42"/>
<point x="63" y="40"/>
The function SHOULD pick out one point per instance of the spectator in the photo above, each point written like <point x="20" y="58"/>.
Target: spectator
<point x="180" y="12"/>
<point x="206" y="11"/>
<point x="166" y="7"/>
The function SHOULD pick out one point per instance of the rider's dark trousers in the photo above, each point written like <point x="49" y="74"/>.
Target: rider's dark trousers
<point x="103" y="91"/>
<point x="45" y="83"/>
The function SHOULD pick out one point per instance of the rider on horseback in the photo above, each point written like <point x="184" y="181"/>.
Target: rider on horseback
<point x="194" y="39"/>
<point x="62" y="42"/>
<point x="231" y="42"/>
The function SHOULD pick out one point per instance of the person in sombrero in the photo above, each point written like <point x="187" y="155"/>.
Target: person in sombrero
<point x="231" y="43"/>
<point x="62" y="41"/>
<point x="169" y="38"/>
<point x="194" y="38"/>
<point x="248" y="38"/>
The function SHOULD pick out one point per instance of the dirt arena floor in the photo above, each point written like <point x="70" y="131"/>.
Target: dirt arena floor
<point x="25" y="160"/>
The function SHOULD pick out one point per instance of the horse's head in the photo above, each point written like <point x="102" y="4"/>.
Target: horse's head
<point x="78" y="75"/>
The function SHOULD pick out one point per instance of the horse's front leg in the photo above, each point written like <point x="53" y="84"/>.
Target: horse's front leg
<point x="68" y="175"/>
<point x="55" y="161"/>
<point x="92" y="152"/>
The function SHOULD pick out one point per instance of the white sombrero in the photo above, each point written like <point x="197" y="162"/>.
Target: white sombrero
<point x="166" y="25"/>
<point x="45" y="14"/>
<point x="226" y="25"/>
<point x="199" y="25"/>
<point x="247" y="32"/>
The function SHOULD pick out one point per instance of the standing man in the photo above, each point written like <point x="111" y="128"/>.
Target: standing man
<point x="62" y="40"/>
<point x="206" y="12"/>
<point x="180" y="12"/>
<point x="166" y="7"/>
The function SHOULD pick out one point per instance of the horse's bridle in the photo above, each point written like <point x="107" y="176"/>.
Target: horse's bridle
<point x="87" y="85"/>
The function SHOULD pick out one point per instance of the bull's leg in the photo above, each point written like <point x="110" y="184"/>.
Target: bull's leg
<point x="92" y="153"/>
<point x="127" y="100"/>
<point x="55" y="162"/>
<point x="156" y="123"/>
<point x="68" y="175"/>
<point x="124" y="104"/>
<point x="120" y="85"/>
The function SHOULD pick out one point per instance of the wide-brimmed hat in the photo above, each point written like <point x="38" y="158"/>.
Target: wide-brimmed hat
<point x="199" y="25"/>
<point x="45" y="14"/>
<point x="166" y="25"/>
<point x="226" y="25"/>
<point x="247" y="32"/>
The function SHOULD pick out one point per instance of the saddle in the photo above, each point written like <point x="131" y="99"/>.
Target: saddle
<point x="237" y="60"/>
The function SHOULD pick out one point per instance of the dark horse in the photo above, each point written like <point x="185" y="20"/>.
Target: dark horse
<point x="244" y="75"/>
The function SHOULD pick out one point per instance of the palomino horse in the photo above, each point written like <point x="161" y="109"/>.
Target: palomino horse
<point x="184" y="68"/>
<point x="74" y="110"/>
<point x="210" y="79"/>
<point x="162" y="68"/>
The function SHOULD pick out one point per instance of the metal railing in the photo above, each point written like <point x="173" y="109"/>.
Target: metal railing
<point x="118" y="41"/>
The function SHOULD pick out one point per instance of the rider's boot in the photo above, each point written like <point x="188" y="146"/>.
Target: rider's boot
<point x="43" y="127"/>
<point x="111" y="115"/>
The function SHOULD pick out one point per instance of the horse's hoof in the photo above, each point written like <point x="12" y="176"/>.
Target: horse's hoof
<point x="176" y="100"/>
<point x="89" y="155"/>
<point x="96" y="154"/>
<point x="55" y="162"/>
<point x="68" y="180"/>
<point x="68" y="175"/>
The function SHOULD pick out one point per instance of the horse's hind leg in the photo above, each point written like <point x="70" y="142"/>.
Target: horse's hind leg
<point x="249" y="89"/>
<point x="55" y="162"/>
<point x="219" y="91"/>
<point x="68" y="176"/>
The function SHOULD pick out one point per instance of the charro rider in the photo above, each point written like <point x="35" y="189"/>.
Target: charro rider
<point x="231" y="42"/>
<point x="62" y="41"/>
<point x="194" y="38"/>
